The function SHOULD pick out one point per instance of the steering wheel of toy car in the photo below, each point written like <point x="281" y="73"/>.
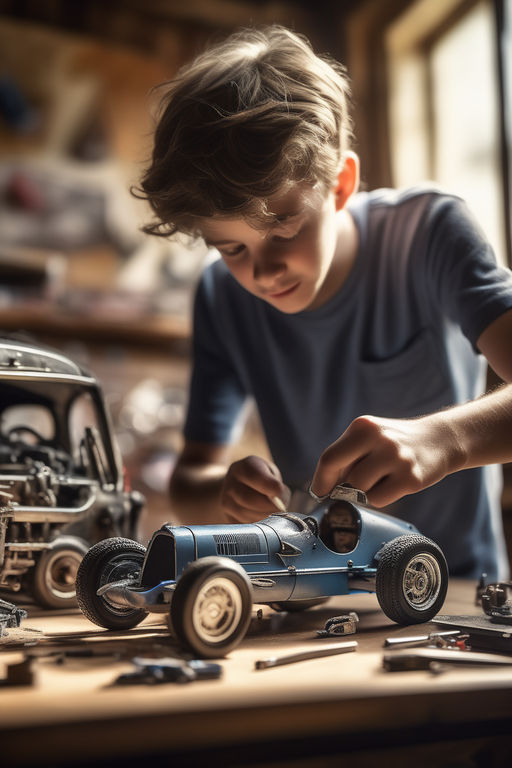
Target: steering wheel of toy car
<point x="26" y="428"/>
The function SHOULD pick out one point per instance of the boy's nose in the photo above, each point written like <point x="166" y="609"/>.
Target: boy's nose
<point x="266" y="269"/>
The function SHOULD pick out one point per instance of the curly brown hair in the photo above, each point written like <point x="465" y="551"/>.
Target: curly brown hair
<point x="242" y="122"/>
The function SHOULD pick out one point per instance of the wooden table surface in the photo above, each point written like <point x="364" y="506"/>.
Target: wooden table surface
<point x="307" y="713"/>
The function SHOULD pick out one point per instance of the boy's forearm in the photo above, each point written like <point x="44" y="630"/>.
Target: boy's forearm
<point x="481" y="430"/>
<point x="195" y="493"/>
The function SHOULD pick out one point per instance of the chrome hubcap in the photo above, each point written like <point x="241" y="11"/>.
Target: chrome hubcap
<point x="422" y="581"/>
<point x="217" y="610"/>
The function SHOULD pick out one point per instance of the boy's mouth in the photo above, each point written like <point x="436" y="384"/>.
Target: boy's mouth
<point x="283" y="293"/>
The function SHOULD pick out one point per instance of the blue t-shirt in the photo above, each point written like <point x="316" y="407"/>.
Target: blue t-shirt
<point x="397" y="340"/>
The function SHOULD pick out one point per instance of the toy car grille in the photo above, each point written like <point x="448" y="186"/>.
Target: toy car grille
<point x="161" y="565"/>
<point x="237" y="544"/>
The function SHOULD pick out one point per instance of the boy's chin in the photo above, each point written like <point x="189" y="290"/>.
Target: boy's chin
<point x="292" y="306"/>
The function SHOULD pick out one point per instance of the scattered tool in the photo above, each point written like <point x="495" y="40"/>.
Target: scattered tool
<point x="484" y="634"/>
<point x="446" y="639"/>
<point x="18" y="674"/>
<point x="331" y="650"/>
<point x="278" y="503"/>
<point x="10" y="616"/>
<point x="169" y="670"/>
<point x="436" y="659"/>
<point x="340" y="625"/>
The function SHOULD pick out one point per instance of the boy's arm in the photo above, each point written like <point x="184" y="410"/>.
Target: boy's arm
<point x="196" y="482"/>
<point x="204" y="489"/>
<point x="390" y="458"/>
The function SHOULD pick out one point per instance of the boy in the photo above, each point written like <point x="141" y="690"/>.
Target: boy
<point x="327" y="305"/>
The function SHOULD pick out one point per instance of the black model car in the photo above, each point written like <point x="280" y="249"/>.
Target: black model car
<point x="61" y="477"/>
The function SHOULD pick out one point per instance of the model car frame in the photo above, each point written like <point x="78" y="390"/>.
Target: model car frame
<point x="62" y="480"/>
<point x="205" y="578"/>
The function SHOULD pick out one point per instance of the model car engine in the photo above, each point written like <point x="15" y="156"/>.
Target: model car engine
<point x="61" y="478"/>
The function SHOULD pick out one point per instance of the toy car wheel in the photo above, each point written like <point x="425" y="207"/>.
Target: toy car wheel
<point x="53" y="583"/>
<point x="211" y="606"/>
<point x="108" y="561"/>
<point x="412" y="579"/>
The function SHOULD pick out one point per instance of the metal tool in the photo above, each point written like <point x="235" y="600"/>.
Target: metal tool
<point x="331" y="650"/>
<point x="414" y="641"/>
<point x="169" y="670"/>
<point x="435" y="659"/>
<point x="339" y="625"/>
<point x="341" y="492"/>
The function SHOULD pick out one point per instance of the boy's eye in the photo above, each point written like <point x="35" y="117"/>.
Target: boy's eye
<point x="235" y="251"/>
<point x="286" y="238"/>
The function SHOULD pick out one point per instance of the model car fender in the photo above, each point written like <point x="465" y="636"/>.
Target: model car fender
<point x="170" y="550"/>
<point x="377" y="529"/>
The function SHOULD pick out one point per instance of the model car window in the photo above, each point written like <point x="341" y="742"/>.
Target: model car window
<point x="339" y="527"/>
<point x="82" y="414"/>
<point x="28" y="422"/>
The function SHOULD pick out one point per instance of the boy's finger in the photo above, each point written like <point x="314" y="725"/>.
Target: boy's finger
<point x="385" y="492"/>
<point x="335" y="462"/>
<point x="367" y="473"/>
<point x="257" y="474"/>
<point x="248" y="498"/>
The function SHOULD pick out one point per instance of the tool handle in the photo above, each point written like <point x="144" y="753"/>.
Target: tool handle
<point x="331" y="650"/>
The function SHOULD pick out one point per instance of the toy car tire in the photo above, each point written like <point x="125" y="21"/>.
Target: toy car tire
<point x="108" y="561"/>
<point x="53" y="580"/>
<point x="211" y="606"/>
<point x="412" y="579"/>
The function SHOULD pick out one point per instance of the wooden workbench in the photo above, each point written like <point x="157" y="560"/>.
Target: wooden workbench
<point x="307" y="713"/>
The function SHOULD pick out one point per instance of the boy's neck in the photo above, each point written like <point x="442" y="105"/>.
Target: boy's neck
<point x="343" y="259"/>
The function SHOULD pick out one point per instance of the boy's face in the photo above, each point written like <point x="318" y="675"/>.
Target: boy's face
<point x="293" y="264"/>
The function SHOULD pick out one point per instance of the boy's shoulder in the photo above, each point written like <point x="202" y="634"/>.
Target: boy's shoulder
<point x="420" y="194"/>
<point x="408" y="210"/>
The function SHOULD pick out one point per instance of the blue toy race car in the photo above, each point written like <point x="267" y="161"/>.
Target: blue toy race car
<point x="206" y="577"/>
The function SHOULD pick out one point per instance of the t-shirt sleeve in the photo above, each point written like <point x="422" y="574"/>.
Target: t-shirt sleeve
<point x="216" y="394"/>
<point x="472" y="288"/>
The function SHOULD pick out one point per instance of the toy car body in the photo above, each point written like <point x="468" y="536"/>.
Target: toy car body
<point x="207" y="577"/>
<point x="60" y="472"/>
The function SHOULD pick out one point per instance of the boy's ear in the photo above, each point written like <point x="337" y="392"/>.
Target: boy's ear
<point x="348" y="180"/>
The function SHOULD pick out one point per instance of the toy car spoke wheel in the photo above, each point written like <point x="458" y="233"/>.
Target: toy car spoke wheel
<point x="211" y="606"/>
<point x="111" y="560"/>
<point x="55" y="573"/>
<point x="412" y="579"/>
<point x="422" y="581"/>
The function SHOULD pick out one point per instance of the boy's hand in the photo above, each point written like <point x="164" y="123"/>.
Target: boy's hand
<point x="388" y="458"/>
<point x="248" y="488"/>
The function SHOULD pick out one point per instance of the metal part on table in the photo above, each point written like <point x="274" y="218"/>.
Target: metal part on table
<point x="10" y="616"/>
<point x="342" y="492"/>
<point x="435" y="658"/>
<point x="18" y="674"/>
<point x="497" y="601"/>
<point x="439" y="639"/>
<point x="331" y="650"/>
<point x="339" y="625"/>
<point x="169" y="670"/>
<point x="480" y="589"/>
